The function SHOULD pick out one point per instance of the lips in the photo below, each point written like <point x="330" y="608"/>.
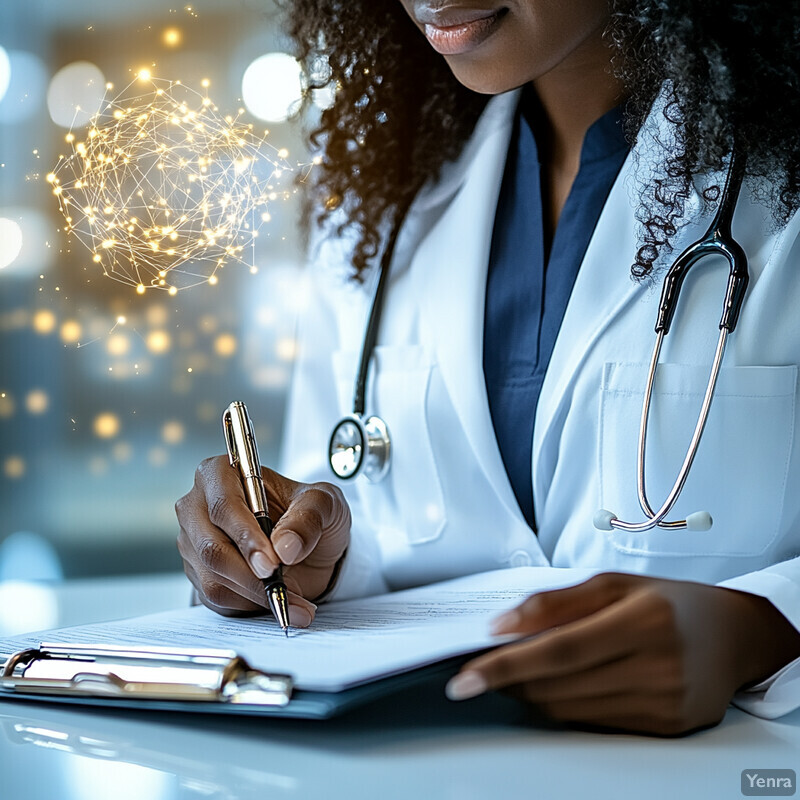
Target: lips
<point x="453" y="30"/>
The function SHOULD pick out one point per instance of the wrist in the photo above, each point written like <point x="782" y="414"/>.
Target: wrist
<point x="764" y="640"/>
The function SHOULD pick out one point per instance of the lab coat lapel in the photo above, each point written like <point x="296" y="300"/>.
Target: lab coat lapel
<point x="602" y="290"/>
<point x="450" y="270"/>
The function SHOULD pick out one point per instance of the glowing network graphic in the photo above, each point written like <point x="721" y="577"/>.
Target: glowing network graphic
<point x="163" y="190"/>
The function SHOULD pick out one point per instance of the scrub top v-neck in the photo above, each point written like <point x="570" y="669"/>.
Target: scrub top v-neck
<point x="527" y="288"/>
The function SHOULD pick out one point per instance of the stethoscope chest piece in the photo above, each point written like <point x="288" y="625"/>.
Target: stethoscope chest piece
<point x="360" y="447"/>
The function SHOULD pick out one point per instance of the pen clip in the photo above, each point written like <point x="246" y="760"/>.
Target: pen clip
<point x="230" y="441"/>
<point x="243" y="454"/>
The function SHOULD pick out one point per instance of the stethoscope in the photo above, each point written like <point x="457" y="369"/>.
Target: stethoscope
<point x="357" y="445"/>
<point x="360" y="445"/>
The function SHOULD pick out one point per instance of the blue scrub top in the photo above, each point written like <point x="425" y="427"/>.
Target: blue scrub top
<point x="528" y="287"/>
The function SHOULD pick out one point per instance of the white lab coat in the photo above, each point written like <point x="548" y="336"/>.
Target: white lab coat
<point x="446" y="508"/>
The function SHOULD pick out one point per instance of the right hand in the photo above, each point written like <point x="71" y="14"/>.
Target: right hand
<point x="225" y="552"/>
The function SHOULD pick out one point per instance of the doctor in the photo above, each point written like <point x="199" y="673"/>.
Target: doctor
<point x="511" y="358"/>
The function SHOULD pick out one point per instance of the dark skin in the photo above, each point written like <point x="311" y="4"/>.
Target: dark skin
<point x="620" y="652"/>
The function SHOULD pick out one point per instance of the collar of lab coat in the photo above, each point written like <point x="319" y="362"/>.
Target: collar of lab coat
<point x="449" y="261"/>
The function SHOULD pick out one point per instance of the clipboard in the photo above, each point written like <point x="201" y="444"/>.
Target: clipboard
<point x="178" y="679"/>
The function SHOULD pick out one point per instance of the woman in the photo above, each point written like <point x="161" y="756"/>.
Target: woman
<point x="513" y="347"/>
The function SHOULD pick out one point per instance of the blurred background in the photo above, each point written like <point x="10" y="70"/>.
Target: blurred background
<point x="110" y="397"/>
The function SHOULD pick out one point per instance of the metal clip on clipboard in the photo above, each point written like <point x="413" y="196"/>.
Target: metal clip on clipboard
<point x="142" y="673"/>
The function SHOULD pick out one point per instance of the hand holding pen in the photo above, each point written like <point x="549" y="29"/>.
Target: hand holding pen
<point x="231" y="559"/>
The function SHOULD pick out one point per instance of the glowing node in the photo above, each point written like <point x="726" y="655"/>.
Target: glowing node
<point x="144" y="75"/>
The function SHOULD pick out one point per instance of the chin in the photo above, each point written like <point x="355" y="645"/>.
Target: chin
<point x="485" y="78"/>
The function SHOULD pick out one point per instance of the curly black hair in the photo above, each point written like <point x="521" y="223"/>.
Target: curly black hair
<point x="728" y="70"/>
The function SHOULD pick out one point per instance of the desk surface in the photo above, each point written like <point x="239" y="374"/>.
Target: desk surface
<point x="422" y="746"/>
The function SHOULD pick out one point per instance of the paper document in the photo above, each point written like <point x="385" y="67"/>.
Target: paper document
<point x="350" y="642"/>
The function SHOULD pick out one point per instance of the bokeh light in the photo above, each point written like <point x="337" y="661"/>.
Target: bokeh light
<point x="157" y="457"/>
<point x="70" y="331"/>
<point x="158" y="342"/>
<point x="75" y="94"/>
<point x="172" y="37"/>
<point x="5" y="72"/>
<point x="272" y="87"/>
<point x="118" y="344"/>
<point x="26" y="87"/>
<point x="122" y="451"/>
<point x="14" y="467"/>
<point x="7" y="405"/>
<point x="37" y="401"/>
<point x="163" y="190"/>
<point x="106" y="425"/>
<point x="286" y="348"/>
<point x="44" y="321"/>
<point x="26" y="606"/>
<point x="173" y="432"/>
<point x="225" y="345"/>
<point x="10" y="241"/>
<point x="24" y="241"/>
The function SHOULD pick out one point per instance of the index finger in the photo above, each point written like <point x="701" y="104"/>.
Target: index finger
<point x="592" y="641"/>
<point x="228" y="511"/>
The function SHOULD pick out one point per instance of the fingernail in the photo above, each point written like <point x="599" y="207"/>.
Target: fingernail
<point x="289" y="547"/>
<point x="465" y="685"/>
<point x="300" y="617"/>
<point x="505" y="623"/>
<point x="261" y="565"/>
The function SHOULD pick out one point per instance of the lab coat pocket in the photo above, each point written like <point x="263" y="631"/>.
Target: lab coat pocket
<point x="410" y="498"/>
<point x="739" y="474"/>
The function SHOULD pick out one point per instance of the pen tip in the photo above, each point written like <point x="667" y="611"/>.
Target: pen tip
<point x="286" y="632"/>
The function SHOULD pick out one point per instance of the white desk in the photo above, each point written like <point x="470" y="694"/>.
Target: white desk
<point x="422" y="747"/>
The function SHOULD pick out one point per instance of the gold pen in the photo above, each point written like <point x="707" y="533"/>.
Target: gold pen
<point x="243" y="454"/>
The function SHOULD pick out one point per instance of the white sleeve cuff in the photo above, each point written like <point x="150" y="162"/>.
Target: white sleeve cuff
<point x="777" y="695"/>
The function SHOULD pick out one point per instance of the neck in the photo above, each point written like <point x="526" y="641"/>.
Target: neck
<point x="573" y="96"/>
